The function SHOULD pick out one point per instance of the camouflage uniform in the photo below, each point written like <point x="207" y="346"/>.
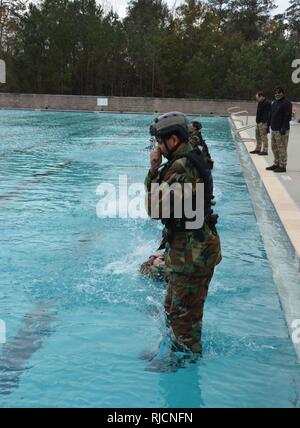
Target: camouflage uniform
<point x="196" y="140"/>
<point x="279" y="147"/>
<point x="262" y="141"/>
<point x="191" y="258"/>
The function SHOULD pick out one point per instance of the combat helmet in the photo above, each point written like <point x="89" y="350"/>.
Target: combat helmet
<point x="173" y="122"/>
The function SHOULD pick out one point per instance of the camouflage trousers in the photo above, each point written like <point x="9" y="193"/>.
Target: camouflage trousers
<point x="280" y="148"/>
<point x="184" y="307"/>
<point x="187" y="293"/>
<point x="262" y="141"/>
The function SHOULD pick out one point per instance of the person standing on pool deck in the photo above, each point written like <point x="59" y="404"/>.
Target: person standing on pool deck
<point x="281" y="115"/>
<point x="191" y="255"/>
<point x="262" y="125"/>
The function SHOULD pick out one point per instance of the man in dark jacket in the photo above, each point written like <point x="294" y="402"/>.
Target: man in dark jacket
<point x="281" y="115"/>
<point x="262" y="125"/>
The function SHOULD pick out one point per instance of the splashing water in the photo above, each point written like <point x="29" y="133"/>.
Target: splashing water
<point x="55" y="253"/>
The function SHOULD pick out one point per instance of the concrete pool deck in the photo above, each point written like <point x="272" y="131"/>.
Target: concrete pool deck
<point x="283" y="189"/>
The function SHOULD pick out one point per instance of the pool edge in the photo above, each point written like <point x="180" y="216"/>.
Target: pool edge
<point x="285" y="209"/>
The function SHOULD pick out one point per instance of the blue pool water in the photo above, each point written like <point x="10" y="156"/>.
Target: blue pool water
<point x="77" y="312"/>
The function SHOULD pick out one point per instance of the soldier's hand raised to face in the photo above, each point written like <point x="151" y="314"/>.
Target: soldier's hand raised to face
<point x="156" y="159"/>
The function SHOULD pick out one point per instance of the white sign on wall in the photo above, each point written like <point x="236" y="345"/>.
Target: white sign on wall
<point x="2" y="71"/>
<point x="102" y="102"/>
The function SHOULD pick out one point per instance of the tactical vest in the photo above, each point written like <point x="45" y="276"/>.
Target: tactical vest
<point x="198" y="161"/>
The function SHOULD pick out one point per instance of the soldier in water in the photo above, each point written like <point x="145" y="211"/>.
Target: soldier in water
<point x="191" y="255"/>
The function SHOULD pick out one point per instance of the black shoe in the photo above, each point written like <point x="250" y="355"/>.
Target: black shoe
<point x="280" y="170"/>
<point x="255" y="152"/>
<point x="263" y="154"/>
<point x="272" y="168"/>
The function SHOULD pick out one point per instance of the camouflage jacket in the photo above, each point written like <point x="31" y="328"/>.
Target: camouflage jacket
<point x="197" y="141"/>
<point x="189" y="252"/>
<point x="178" y="173"/>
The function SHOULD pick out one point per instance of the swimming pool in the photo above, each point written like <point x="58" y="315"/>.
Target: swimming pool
<point x="77" y="312"/>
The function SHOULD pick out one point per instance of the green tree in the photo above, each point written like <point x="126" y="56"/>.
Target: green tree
<point x="220" y="9"/>
<point x="145" y="27"/>
<point x="10" y="14"/>
<point x="250" y="17"/>
<point x="208" y="48"/>
<point x="293" y="16"/>
<point x="47" y="46"/>
<point x="68" y="47"/>
<point x="279" y="52"/>
<point x="248" y="73"/>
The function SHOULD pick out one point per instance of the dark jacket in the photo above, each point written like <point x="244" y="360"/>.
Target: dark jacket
<point x="263" y="112"/>
<point x="281" y="115"/>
